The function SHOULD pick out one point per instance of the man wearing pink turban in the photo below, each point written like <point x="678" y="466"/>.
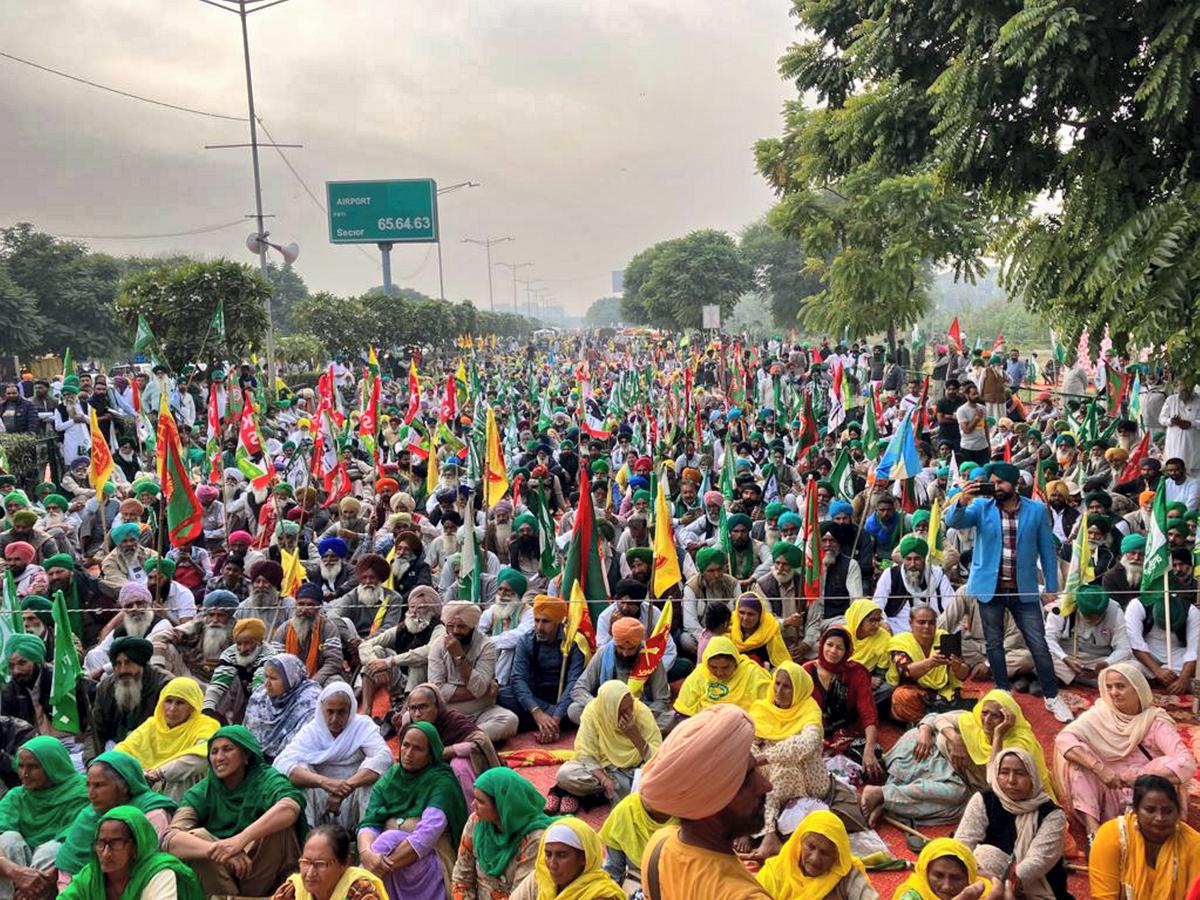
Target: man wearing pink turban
<point x="707" y="775"/>
<point x="703" y="532"/>
<point x="29" y="578"/>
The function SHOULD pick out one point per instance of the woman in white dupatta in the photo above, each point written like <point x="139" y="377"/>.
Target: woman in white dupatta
<point x="335" y="759"/>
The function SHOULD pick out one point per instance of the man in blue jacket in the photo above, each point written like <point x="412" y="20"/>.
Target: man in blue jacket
<point x="1012" y="535"/>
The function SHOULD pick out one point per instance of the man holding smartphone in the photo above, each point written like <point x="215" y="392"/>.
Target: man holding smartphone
<point x="1012" y="536"/>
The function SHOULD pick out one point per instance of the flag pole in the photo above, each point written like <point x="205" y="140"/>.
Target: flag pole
<point x="1167" y="612"/>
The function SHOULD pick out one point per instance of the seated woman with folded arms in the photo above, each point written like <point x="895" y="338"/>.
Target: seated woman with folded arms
<point x="933" y="769"/>
<point x="240" y="825"/>
<point x="1098" y="757"/>
<point x="1016" y="831"/>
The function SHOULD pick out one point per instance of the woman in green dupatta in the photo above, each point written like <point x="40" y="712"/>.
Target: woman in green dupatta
<point x="240" y="802"/>
<point x="124" y="857"/>
<point x="417" y="806"/>
<point x="113" y="779"/>
<point x="500" y="843"/>
<point x="33" y="815"/>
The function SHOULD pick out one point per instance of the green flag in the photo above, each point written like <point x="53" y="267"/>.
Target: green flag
<point x="1158" y="552"/>
<point x="541" y="512"/>
<point x="218" y="321"/>
<point x="841" y="476"/>
<point x="870" y="434"/>
<point x="144" y="339"/>
<point x="64" y="709"/>
<point x="68" y="363"/>
<point x="10" y="620"/>
<point x="726" y="484"/>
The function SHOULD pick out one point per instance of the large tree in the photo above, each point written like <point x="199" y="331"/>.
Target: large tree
<point x="289" y="289"/>
<point x="1072" y="128"/>
<point x="668" y="284"/>
<point x="780" y="271"/>
<point x="603" y="312"/>
<point x="74" y="291"/>
<point x="179" y="302"/>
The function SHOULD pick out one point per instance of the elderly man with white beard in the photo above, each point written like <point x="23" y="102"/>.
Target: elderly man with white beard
<point x="265" y="602"/>
<point x="331" y="572"/>
<point x="195" y="649"/>
<point x="397" y="658"/>
<point x="1123" y="582"/>
<point x="507" y="619"/>
<point x="914" y="581"/>
<point x="370" y="607"/>
<point x="126" y="561"/>
<point x="311" y="637"/>
<point x="127" y="696"/>
<point x="137" y="618"/>
<point x="238" y="673"/>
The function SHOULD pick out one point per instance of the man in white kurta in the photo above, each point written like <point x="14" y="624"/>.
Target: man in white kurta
<point x="1180" y="415"/>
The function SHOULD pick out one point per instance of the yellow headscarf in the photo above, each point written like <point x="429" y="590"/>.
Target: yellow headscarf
<point x="155" y="743"/>
<point x="936" y="849"/>
<point x="629" y="827"/>
<point x="593" y="882"/>
<point x="872" y="652"/>
<point x="782" y="875"/>
<point x="701" y="690"/>
<point x="1019" y="737"/>
<point x="342" y="888"/>
<point x="774" y="724"/>
<point x="601" y="741"/>
<point x="940" y="679"/>
<point x="768" y="633"/>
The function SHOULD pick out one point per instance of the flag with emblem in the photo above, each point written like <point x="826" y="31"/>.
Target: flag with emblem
<point x="1081" y="571"/>
<point x="651" y="655"/>
<point x="100" y="466"/>
<point x="143" y="340"/>
<point x="184" y="515"/>
<point x="841" y="476"/>
<point x="666" y="559"/>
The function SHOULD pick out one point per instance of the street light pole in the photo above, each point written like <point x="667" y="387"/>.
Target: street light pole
<point x="243" y="12"/>
<point x="487" y="243"/>
<point x="441" y="271"/>
<point x="515" y="267"/>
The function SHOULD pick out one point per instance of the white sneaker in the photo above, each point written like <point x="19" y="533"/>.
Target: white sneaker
<point x="1060" y="710"/>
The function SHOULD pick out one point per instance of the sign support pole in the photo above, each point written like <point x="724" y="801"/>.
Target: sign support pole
<point x="385" y="253"/>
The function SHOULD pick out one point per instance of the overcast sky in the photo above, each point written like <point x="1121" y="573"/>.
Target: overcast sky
<point x="595" y="129"/>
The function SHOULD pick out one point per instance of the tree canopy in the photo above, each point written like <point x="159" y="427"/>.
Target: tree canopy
<point x="603" y="312"/>
<point x="668" y="284"/>
<point x="179" y="302"/>
<point x="1058" y="139"/>
<point x="779" y="265"/>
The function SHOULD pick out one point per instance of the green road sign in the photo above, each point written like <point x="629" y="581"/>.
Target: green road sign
<point x="374" y="212"/>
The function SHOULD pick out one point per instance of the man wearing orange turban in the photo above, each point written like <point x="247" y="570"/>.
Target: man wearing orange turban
<point x="539" y="686"/>
<point x="707" y="775"/>
<point x="616" y="660"/>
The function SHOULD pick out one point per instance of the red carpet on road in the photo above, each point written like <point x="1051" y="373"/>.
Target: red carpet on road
<point x="1044" y="725"/>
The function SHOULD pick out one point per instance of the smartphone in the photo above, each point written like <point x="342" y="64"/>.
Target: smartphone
<point x="986" y="489"/>
<point x="950" y="644"/>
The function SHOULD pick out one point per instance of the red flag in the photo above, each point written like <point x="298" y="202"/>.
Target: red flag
<point x="812" y="545"/>
<point x="923" y="421"/>
<point x="450" y="403"/>
<point x="999" y="343"/>
<point x="1008" y="449"/>
<point x="1134" y="465"/>
<point x="956" y="334"/>
<point x="809" y="435"/>
<point x="183" y="513"/>
<point x="137" y="396"/>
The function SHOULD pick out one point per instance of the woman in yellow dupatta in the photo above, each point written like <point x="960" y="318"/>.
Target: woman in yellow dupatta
<point x="815" y="863"/>
<point x="944" y="870"/>
<point x="723" y="676"/>
<point x="775" y="723"/>
<point x="917" y="670"/>
<point x="756" y="632"/>
<point x="865" y="622"/>
<point x="172" y="745"/>
<point x="569" y="866"/>
<point x="1013" y="730"/>
<point x="1148" y="853"/>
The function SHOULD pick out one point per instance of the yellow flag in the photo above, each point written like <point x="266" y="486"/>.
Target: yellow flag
<point x="496" y="478"/>
<point x="101" y="464"/>
<point x="431" y="470"/>
<point x="666" y="560"/>
<point x="293" y="572"/>
<point x="935" y="527"/>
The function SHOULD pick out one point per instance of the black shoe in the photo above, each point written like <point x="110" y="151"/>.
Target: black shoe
<point x="1035" y="688"/>
<point x="1020" y="685"/>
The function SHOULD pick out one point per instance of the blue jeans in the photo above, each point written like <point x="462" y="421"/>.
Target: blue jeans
<point x="1028" y="618"/>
